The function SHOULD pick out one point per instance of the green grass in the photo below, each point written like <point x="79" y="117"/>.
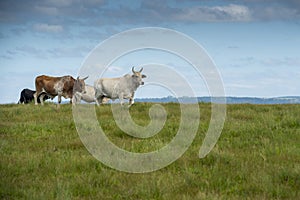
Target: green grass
<point x="256" y="157"/>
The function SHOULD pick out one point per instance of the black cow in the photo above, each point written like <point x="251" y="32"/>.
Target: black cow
<point x="27" y="96"/>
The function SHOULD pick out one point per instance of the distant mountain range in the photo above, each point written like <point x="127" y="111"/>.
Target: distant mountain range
<point x="229" y="100"/>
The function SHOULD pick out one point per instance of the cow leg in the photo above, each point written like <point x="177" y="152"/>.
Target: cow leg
<point x="121" y="98"/>
<point x="99" y="100"/>
<point x="35" y="98"/>
<point x="98" y="97"/>
<point x="42" y="98"/>
<point x="76" y="98"/>
<point x="21" y="99"/>
<point x="131" y="100"/>
<point x="59" y="100"/>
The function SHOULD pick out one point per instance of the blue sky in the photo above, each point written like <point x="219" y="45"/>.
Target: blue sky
<point x="255" y="44"/>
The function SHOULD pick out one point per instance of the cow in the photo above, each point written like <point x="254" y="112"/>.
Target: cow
<point x="26" y="96"/>
<point x="88" y="96"/>
<point x="57" y="86"/>
<point x="118" y="88"/>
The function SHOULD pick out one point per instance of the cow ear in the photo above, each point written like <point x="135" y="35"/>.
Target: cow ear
<point x="144" y="76"/>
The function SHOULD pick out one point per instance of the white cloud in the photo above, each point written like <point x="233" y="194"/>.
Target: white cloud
<point x="231" y="12"/>
<point x="63" y="52"/>
<point x="48" y="28"/>
<point x="277" y="12"/>
<point x="280" y="62"/>
<point x="68" y="3"/>
<point x="57" y="52"/>
<point x="235" y="12"/>
<point x="114" y="69"/>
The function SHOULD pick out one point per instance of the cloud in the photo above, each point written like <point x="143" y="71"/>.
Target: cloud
<point x="57" y="52"/>
<point x="114" y="69"/>
<point x="151" y="11"/>
<point x="54" y="16"/>
<point x="92" y="19"/>
<point x="2" y="36"/>
<point x="29" y="50"/>
<point x="231" y="12"/>
<point x="60" y="3"/>
<point x="273" y="10"/>
<point x="282" y="62"/>
<point x="48" y="28"/>
<point x="285" y="62"/>
<point x="77" y="51"/>
<point x="68" y="3"/>
<point x="65" y="11"/>
<point x="275" y="13"/>
<point x="161" y="10"/>
<point x="233" y="47"/>
<point x="234" y="12"/>
<point x="47" y="10"/>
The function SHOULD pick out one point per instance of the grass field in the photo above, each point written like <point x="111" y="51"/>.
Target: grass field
<point x="256" y="157"/>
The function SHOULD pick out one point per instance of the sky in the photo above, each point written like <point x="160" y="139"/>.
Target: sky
<point x="255" y="44"/>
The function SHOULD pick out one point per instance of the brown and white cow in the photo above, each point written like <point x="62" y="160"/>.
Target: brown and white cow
<point x="64" y="86"/>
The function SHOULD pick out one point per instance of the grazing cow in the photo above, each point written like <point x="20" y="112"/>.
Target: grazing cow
<point x="88" y="96"/>
<point x="121" y="88"/>
<point x="57" y="86"/>
<point x="27" y="96"/>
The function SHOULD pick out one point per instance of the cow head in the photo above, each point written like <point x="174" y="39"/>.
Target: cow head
<point x="79" y="85"/>
<point x="138" y="76"/>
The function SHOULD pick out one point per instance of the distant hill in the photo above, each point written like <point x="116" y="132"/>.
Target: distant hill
<point x="229" y="100"/>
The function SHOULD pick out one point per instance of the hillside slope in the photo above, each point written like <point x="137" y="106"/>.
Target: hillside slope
<point x="256" y="157"/>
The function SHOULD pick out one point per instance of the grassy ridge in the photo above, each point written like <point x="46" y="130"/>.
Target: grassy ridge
<point x="256" y="157"/>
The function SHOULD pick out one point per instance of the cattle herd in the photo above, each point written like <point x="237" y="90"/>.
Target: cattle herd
<point x="47" y="87"/>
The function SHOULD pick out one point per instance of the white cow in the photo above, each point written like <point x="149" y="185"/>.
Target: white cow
<point x="88" y="96"/>
<point x="118" y="88"/>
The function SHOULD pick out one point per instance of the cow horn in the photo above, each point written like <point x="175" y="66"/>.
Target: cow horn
<point x="132" y="70"/>
<point x="85" y="78"/>
<point x="141" y="70"/>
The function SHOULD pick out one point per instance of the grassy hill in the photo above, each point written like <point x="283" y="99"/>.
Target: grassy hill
<point x="256" y="157"/>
